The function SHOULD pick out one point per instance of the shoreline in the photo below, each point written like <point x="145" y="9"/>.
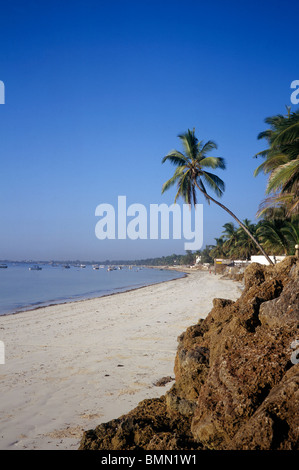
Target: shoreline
<point x="71" y="366"/>
<point x="51" y="303"/>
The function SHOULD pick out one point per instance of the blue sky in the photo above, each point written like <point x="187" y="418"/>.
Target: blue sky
<point x="96" y="93"/>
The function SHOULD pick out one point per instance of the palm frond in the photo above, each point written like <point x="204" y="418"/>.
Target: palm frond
<point x="262" y="153"/>
<point x="184" y="187"/>
<point x="287" y="135"/>
<point x="213" y="162"/>
<point x="214" y="182"/>
<point x="292" y="232"/>
<point x="207" y="147"/>
<point x="282" y="175"/>
<point x="189" y="142"/>
<point x="287" y="202"/>
<point x="271" y="163"/>
<point x="169" y="183"/>
<point x="175" y="157"/>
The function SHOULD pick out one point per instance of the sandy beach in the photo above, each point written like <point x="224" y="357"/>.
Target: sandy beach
<point x="70" y="367"/>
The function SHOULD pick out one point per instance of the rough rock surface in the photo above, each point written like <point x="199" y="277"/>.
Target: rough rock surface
<point x="236" y="377"/>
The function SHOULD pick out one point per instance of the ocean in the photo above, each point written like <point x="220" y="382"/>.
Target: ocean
<point x="24" y="289"/>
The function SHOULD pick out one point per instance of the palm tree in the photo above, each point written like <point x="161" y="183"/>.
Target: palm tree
<point x="245" y="246"/>
<point x="272" y="236"/>
<point x="291" y="232"/>
<point x="230" y="233"/>
<point x="281" y="162"/>
<point x="219" y="250"/>
<point x="191" y="174"/>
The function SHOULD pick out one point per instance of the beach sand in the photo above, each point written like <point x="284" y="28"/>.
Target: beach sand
<point x="70" y="367"/>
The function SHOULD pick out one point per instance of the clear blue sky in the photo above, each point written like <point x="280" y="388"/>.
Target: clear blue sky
<point x="96" y="93"/>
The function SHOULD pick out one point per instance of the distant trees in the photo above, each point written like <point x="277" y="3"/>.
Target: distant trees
<point x="278" y="236"/>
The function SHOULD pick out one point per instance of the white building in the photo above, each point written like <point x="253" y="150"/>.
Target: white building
<point x="263" y="260"/>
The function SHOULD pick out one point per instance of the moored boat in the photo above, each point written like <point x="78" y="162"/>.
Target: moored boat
<point x="35" y="268"/>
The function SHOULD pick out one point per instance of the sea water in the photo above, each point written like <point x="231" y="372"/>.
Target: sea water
<point x="25" y="289"/>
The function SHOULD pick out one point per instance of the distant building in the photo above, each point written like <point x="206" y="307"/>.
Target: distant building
<point x="262" y="259"/>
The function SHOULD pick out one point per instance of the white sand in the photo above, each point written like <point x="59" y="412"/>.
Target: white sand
<point x="70" y="367"/>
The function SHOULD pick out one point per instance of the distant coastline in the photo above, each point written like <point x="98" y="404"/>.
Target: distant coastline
<point x="93" y="294"/>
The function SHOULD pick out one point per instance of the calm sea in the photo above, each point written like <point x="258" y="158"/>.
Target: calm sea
<point x="24" y="289"/>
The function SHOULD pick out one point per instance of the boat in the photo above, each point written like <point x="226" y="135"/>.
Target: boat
<point x="82" y="266"/>
<point x="95" y="266"/>
<point x="111" y="268"/>
<point x="35" y="268"/>
<point x="66" y="266"/>
<point x="3" y="266"/>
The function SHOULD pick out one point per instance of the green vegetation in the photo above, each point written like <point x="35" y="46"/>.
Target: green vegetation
<point x="191" y="175"/>
<point x="281" y="163"/>
<point x="277" y="231"/>
<point x="278" y="236"/>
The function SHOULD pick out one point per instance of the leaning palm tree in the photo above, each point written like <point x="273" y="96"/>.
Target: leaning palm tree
<point x="191" y="175"/>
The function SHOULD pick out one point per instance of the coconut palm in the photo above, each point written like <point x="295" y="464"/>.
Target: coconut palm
<point x="245" y="246"/>
<point x="191" y="175"/>
<point x="291" y="232"/>
<point x="272" y="236"/>
<point x="230" y="233"/>
<point x="281" y="162"/>
<point x="219" y="250"/>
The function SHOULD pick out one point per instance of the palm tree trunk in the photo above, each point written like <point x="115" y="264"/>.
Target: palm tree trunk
<point x="239" y="222"/>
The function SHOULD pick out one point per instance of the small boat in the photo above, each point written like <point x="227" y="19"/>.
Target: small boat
<point x="95" y="266"/>
<point x="66" y="266"/>
<point x="35" y="268"/>
<point x="82" y="266"/>
<point x="3" y="266"/>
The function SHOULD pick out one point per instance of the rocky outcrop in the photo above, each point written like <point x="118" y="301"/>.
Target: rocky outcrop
<point x="236" y="377"/>
<point x="149" y="426"/>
